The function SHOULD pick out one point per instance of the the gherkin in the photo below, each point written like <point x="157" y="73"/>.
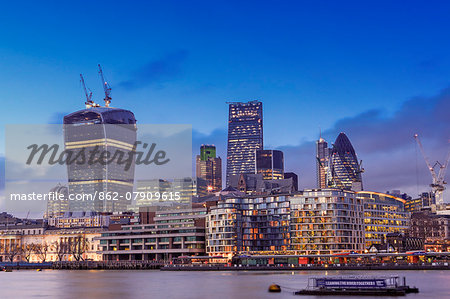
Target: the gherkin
<point x="344" y="171"/>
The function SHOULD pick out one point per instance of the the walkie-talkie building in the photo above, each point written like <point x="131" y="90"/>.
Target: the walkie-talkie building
<point x="245" y="136"/>
<point x="99" y="182"/>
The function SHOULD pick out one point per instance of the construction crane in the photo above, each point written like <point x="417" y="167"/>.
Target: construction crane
<point x="89" y="103"/>
<point x="437" y="185"/>
<point x="106" y="87"/>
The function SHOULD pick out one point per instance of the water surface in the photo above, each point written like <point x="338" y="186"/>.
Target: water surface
<point x="110" y="284"/>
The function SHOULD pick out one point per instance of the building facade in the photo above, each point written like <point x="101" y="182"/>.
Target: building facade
<point x="425" y="200"/>
<point x="383" y="214"/>
<point x="344" y="170"/>
<point x="100" y="130"/>
<point x="36" y="243"/>
<point x="169" y="234"/>
<point x="433" y="228"/>
<point x="245" y="136"/>
<point x="404" y="243"/>
<point x="326" y="221"/>
<point x="270" y="163"/>
<point x="322" y="156"/>
<point x="207" y="151"/>
<point x="208" y="171"/>
<point x="294" y="177"/>
<point x="222" y="231"/>
<point x="255" y="184"/>
<point x="79" y="219"/>
<point x="248" y="224"/>
<point x="58" y="207"/>
<point x="160" y="193"/>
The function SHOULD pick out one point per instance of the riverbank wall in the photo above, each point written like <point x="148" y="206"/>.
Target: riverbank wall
<point x="143" y="265"/>
<point x="343" y="267"/>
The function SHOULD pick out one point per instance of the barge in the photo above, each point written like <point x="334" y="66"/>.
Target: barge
<point x="357" y="286"/>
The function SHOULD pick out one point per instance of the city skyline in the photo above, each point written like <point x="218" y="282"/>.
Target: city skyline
<point x="311" y="176"/>
<point x="206" y="149"/>
<point x="321" y="71"/>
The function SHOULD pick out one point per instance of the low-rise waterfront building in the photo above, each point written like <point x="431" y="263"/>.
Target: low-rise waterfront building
<point x="222" y="231"/>
<point x="68" y="244"/>
<point x="248" y="224"/>
<point x="169" y="234"/>
<point x="326" y="221"/>
<point x="34" y="241"/>
<point x="12" y="232"/>
<point x="404" y="243"/>
<point x="383" y="214"/>
<point x="433" y="228"/>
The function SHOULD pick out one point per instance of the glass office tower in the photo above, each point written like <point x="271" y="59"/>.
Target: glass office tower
<point x="322" y="155"/>
<point x="344" y="171"/>
<point x="270" y="163"/>
<point x="100" y="130"/>
<point x="245" y="136"/>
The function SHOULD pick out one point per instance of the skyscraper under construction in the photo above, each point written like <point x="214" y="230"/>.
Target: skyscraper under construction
<point x="102" y="139"/>
<point x="101" y="129"/>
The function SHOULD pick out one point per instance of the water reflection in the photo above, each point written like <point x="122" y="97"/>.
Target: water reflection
<point x="159" y="284"/>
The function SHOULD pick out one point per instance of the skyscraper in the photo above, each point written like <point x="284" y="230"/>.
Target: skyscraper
<point x="208" y="170"/>
<point x="245" y="136"/>
<point x="270" y="163"/>
<point x="322" y="155"/>
<point x="344" y="170"/>
<point x="100" y="129"/>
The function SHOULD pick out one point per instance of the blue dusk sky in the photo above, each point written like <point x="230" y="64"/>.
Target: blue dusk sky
<point x="377" y="70"/>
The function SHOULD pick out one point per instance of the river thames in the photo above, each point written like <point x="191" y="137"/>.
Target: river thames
<point x="164" y="284"/>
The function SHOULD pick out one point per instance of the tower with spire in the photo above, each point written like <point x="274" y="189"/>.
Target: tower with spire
<point x="322" y="156"/>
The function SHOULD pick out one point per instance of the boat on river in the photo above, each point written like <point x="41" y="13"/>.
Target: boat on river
<point x="357" y="286"/>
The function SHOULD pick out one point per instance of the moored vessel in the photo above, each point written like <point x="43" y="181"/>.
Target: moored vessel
<point x="357" y="286"/>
